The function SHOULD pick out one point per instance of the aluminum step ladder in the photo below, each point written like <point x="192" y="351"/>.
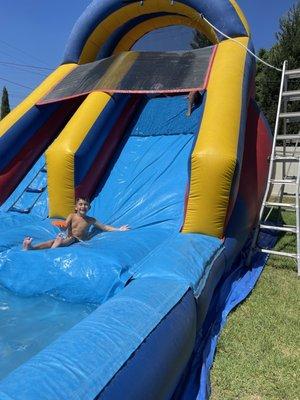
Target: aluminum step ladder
<point x="34" y="189"/>
<point x="285" y="159"/>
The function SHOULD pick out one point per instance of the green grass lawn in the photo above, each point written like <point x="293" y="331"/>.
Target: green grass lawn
<point x="258" y="355"/>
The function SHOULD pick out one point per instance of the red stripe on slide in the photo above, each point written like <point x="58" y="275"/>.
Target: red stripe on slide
<point x="89" y="184"/>
<point x="12" y="175"/>
<point x="211" y="61"/>
<point x="126" y="91"/>
<point x="255" y="165"/>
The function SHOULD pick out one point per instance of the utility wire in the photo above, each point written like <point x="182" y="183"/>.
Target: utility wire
<point x="15" y="96"/>
<point x="13" y="57"/>
<point x="236" y="41"/>
<point x="13" y="93"/>
<point x="22" y="51"/>
<point x="19" y="69"/>
<point x="15" y="83"/>
<point x="24" y="65"/>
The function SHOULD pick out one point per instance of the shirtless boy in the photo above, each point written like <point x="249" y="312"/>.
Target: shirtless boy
<point x="77" y="226"/>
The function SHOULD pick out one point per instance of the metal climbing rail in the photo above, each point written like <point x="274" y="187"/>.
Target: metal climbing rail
<point x="283" y="118"/>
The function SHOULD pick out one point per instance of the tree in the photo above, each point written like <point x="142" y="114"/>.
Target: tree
<point x="5" y="108"/>
<point x="287" y="48"/>
<point x="199" y="40"/>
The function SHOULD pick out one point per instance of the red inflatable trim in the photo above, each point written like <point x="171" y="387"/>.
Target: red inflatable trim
<point x="255" y="167"/>
<point x="12" y="175"/>
<point x="89" y="184"/>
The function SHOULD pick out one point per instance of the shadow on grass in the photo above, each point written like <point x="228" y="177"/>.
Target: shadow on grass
<point x="286" y="241"/>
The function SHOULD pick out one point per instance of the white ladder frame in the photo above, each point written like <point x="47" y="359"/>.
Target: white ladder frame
<point x="283" y="88"/>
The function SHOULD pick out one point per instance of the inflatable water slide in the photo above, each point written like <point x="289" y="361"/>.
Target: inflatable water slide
<point x="110" y="124"/>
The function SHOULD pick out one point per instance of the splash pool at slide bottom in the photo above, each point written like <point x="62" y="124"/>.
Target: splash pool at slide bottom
<point x="27" y="325"/>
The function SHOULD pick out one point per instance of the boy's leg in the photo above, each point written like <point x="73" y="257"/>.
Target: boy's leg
<point x="44" y="245"/>
<point x="62" y="242"/>
<point x="50" y="244"/>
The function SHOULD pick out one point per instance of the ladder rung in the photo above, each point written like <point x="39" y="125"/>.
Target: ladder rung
<point x="292" y="73"/>
<point x="292" y="95"/>
<point x="35" y="190"/>
<point x="282" y="205"/>
<point x="290" y="229"/>
<point x="286" y="159"/>
<point x="20" y="210"/>
<point x="288" y="137"/>
<point x="278" y="253"/>
<point x="291" y="116"/>
<point x="283" y="181"/>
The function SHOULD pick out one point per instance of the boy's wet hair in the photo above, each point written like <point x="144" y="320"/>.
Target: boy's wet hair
<point x="82" y="198"/>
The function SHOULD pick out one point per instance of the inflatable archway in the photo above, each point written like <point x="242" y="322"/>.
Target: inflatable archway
<point x="117" y="26"/>
<point x="190" y="187"/>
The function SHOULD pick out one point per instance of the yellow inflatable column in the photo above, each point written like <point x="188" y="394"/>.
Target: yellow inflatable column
<point x="60" y="156"/>
<point x="215" y="154"/>
<point x="49" y="83"/>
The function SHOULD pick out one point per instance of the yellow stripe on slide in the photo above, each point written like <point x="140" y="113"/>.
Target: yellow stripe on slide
<point x="50" y="82"/>
<point x="215" y="153"/>
<point x="241" y="15"/>
<point x="140" y="30"/>
<point x="60" y="155"/>
<point x="117" y="71"/>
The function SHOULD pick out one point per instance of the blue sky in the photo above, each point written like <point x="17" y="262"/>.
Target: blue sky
<point x="34" y="32"/>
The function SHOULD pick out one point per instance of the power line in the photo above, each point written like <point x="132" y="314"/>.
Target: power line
<point x="22" y="51"/>
<point x="25" y="65"/>
<point x="14" y="57"/>
<point x="16" y="96"/>
<point x="25" y="70"/>
<point x="15" y="83"/>
<point x="10" y="93"/>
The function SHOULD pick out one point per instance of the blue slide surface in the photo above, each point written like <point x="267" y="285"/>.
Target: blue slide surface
<point x="139" y="190"/>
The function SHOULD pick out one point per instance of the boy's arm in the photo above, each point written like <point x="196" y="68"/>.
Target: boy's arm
<point x="109" y="228"/>
<point x="69" y="220"/>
